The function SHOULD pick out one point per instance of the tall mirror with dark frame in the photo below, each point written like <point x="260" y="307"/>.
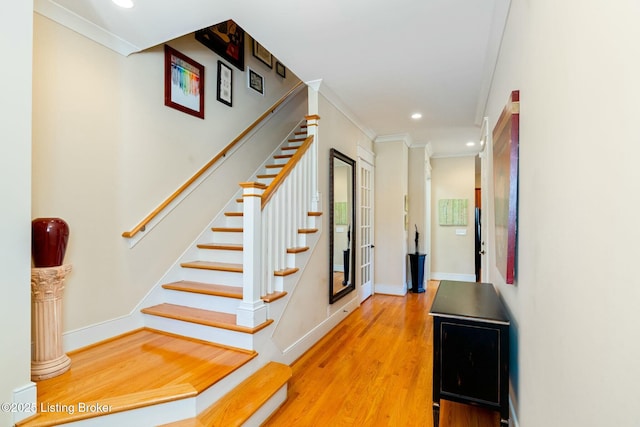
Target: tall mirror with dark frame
<point x="342" y="218"/>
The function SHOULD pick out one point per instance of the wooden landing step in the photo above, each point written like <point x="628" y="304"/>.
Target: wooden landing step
<point x="138" y="369"/>
<point x="202" y="317"/>
<point x="236" y="407"/>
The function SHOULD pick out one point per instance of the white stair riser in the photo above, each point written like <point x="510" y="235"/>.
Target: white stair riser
<point x="265" y="181"/>
<point x="227" y="237"/>
<point x="269" y="407"/>
<point x="200" y="332"/>
<point x="202" y="301"/>
<point x="281" y="161"/>
<point x="234" y="221"/>
<point x="212" y="276"/>
<point x="220" y="255"/>
<point x="273" y="170"/>
<point x="147" y="416"/>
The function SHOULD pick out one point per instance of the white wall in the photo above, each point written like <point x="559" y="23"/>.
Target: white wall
<point x="107" y="151"/>
<point x="391" y="186"/>
<point x="575" y="301"/>
<point x="15" y="186"/>
<point x="452" y="254"/>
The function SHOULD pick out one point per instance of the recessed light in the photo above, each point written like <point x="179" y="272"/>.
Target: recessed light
<point x="470" y="144"/>
<point x="126" y="4"/>
<point x="416" y="116"/>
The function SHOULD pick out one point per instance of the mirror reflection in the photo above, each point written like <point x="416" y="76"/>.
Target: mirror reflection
<point x="342" y="219"/>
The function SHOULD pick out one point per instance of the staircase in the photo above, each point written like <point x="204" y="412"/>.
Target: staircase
<point x="222" y="296"/>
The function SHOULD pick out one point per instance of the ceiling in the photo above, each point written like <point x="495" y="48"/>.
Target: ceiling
<point x="379" y="61"/>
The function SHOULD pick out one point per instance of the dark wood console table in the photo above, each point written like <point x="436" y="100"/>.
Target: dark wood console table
<point x="470" y="348"/>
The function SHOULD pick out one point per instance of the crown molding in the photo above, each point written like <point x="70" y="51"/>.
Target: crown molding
<point x="66" y="18"/>
<point x="399" y="137"/>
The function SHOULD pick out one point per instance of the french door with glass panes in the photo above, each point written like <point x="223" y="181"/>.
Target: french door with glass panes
<point x="366" y="170"/>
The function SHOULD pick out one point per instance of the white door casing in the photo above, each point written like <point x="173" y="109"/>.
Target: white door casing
<point x="486" y="199"/>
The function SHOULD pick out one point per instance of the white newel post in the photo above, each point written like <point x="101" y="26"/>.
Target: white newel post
<point x="252" y="310"/>
<point x="312" y="118"/>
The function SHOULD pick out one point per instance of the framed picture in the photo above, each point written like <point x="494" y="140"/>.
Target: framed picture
<point x="281" y="70"/>
<point x="255" y="81"/>
<point x="262" y="54"/>
<point x="506" y="139"/>
<point x="183" y="83"/>
<point x="225" y="84"/>
<point x="227" y="40"/>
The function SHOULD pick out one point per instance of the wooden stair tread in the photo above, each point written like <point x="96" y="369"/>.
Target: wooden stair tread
<point x="307" y="230"/>
<point x="283" y="156"/>
<point x="137" y="369"/>
<point x="285" y="272"/>
<point x="290" y="148"/>
<point x="233" y="214"/>
<point x="297" y="139"/>
<point x="211" y="265"/>
<point x="274" y="166"/>
<point x="274" y="296"/>
<point x="214" y="319"/>
<point x="314" y="213"/>
<point x="269" y="175"/>
<point x="297" y="250"/>
<point x="237" y="406"/>
<point x="227" y="229"/>
<point x="206" y="289"/>
<point x="221" y="246"/>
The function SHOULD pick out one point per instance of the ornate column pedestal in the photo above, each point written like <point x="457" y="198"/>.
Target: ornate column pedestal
<point x="48" y="359"/>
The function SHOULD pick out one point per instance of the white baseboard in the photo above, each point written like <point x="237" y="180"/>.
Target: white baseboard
<point x="299" y="347"/>
<point x="382" y="288"/>
<point x="91" y="334"/>
<point x="453" y="276"/>
<point x="25" y="398"/>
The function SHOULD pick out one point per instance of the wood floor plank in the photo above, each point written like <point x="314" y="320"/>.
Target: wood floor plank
<point x="374" y="369"/>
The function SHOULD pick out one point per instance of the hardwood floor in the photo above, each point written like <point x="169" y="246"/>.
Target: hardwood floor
<point x="137" y="369"/>
<point x="374" y="369"/>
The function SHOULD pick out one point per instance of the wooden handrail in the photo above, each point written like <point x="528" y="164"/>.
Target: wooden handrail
<point x="211" y="162"/>
<point x="285" y="171"/>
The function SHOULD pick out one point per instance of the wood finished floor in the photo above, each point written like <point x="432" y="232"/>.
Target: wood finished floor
<point x="137" y="369"/>
<point x="374" y="369"/>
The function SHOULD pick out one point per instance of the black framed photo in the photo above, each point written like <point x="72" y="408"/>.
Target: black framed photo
<point x="227" y="40"/>
<point x="281" y="70"/>
<point x="262" y="54"/>
<point x="183" y="83"/>
<point x="225" y="84"/>
<point x="255" y="81"/>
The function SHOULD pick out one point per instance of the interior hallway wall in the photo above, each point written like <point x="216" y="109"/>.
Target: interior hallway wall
<point x="574" y="303"/>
